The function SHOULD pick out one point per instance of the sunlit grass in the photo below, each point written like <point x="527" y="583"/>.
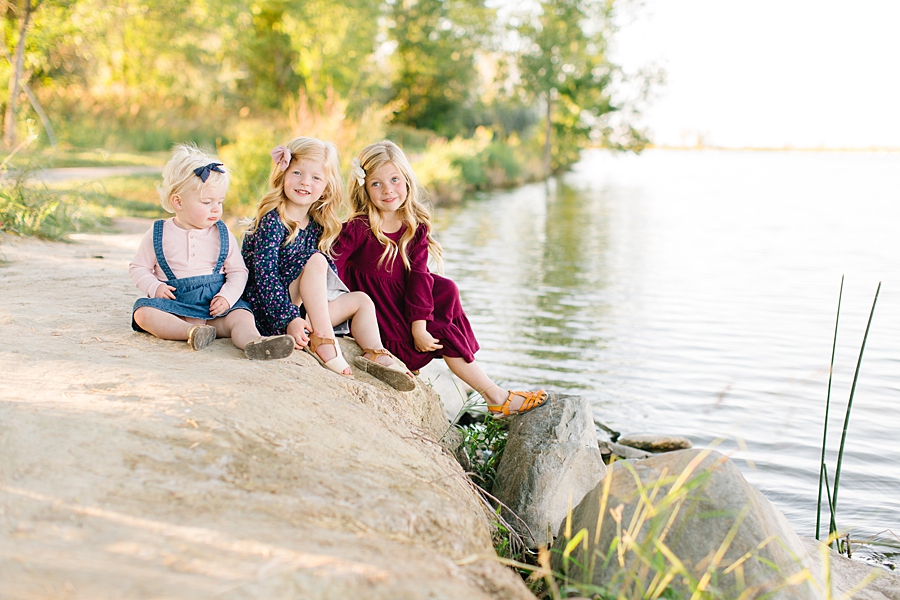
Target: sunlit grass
<point x="120" y="196"/>
<point x="86" y="157"/>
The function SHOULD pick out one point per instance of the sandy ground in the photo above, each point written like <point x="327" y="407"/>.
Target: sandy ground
<point x="132" y="467"/>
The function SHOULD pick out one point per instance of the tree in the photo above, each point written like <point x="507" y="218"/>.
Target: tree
<point x="563" y="63"/>
<point x="436" y="46"/>
<point x="21" y="14"/>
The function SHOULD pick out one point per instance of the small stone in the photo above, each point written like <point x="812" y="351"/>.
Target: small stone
<point x="621" y="452"/>
<point x="655" y="443"/>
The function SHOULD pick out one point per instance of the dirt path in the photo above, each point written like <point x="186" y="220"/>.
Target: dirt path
<point x="132" y="467"/>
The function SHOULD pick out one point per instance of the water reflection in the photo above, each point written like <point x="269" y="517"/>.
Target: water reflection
<point x="694" y="293"/>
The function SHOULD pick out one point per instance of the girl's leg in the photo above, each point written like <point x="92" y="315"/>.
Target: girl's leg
<point x="312" y="288"/>
<point x="492" y="393"/>
<point x="364" y="327"/>
<point x="239" y="325"/>
<point x="364" y="324"/>
<point x="163" y="325"/>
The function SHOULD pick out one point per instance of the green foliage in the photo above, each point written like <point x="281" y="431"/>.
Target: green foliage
<point x="31" y="209"/>
<point x="254" y="72"/>
<point x="119" y="196"/>
<point x="564" y="65"/>
<point x="483" y="444"/>
<point x="449" y="169"/>
<point x="249" y="164"/>
<point x="437" y="42"/>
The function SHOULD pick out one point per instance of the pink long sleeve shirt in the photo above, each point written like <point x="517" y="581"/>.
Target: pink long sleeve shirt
<point x="189" y="252"/>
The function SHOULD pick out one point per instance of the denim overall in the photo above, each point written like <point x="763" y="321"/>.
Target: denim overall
<point x="192" y="294"/>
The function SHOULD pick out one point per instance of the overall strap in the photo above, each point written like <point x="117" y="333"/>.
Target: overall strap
<point x="223" y="246"/>
<point x="158" y="247"/>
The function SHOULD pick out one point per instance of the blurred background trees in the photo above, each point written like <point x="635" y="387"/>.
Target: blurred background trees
<point x="140" y="75"/>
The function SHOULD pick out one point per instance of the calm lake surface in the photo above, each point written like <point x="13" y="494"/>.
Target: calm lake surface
<point x="695" y="293"/>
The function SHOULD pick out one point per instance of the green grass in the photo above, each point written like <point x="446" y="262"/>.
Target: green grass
<point x="119" y="196"/>
<point x="34" y="210"/>
<point x="86" y="157"/>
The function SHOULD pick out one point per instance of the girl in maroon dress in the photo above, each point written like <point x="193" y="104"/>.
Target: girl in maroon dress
<point x="383" y="250"/>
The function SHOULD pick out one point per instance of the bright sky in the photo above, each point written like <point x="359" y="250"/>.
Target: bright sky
<point x="805" y="73"/>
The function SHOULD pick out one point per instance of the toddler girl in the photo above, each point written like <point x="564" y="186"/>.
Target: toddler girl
<point x="287" y="252"/>
<point x="189" y="266"/>
<point x="383" y="250"/>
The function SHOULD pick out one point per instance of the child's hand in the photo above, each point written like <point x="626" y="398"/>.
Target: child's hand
<point x="423" y="340"/>
<point x="164" y="291"/>
<point x="297" y="330"/>
<point x="218" y="306"/>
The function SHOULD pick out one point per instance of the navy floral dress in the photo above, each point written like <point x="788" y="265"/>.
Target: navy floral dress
<point x="273" y="267"/>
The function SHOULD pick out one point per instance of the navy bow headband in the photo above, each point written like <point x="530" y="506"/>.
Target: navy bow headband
<point x="203" y="172"/>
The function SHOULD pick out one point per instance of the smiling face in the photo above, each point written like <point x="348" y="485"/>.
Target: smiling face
<point x="387" y="188"/>
<point x="201" y="208"/>
<point x="304" y="184"/>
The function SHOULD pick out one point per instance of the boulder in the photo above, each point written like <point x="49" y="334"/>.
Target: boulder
<point x="846" y="574"/>
<point x="550" y="462"/>
<point x="655" y="443"/>
<point x="685" y="520"/>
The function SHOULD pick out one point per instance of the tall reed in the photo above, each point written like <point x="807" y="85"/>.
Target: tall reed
<point x="840" y="458"/>
<point x="827" y="408"/>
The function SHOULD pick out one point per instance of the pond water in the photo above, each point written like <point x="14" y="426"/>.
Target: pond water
<point x="695" y="293"/>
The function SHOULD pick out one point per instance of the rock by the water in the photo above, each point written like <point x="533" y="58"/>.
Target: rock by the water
<point x="551" y="459"/>
<point x="655" y="443"/>
<point x="621" y="452"/>
<point x="704" y="512"/>
<point x="847" y="574"/>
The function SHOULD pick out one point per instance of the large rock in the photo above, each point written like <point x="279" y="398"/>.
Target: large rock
<point x="846" y="574"/>
<point x="550" y="462"/>
<point x="132" y="467"/>
<point x="691" y="518"/>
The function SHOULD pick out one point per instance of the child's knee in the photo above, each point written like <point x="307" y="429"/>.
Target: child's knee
<point x="362" y="301"/>
<point x="316" y="261"/>
<point x="141" y="316"/>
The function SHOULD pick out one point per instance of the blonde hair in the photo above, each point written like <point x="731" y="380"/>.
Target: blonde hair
<point x="323" y="211"/>
<point x="179" y="177"/>
<point x="413" y="212"/>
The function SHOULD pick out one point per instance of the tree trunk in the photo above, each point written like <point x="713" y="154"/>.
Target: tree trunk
<point x="9" y="121"/>
<point x="548" y="139"/>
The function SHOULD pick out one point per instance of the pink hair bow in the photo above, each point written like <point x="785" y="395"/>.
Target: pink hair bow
<point x="282" y="157"/>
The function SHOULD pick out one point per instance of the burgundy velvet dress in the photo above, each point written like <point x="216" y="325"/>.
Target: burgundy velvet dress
<point x="402" y="296"/>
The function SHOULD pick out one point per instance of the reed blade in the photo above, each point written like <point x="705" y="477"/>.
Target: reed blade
<point x="837" y="472"/>
<point x="827" y="408"/>
<point x="832" y="526"/>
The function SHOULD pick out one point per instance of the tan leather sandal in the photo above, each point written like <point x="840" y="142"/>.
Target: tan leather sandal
<point x="395" y="375"/>
<point x="337" y="364"/>
<point x="531" y="401"/>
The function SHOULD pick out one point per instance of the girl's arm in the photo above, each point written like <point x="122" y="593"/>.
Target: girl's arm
<point x="273" y="297"/>
<point x="235" y="280"/>
<point x="419" y="282"/>
<point x="419" y="293"/>
<point x="235" y="273"/>
<point x="142" y="267"/>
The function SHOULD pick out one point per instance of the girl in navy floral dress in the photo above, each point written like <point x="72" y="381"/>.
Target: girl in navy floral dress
<point x="383" y="251"/>
<point x="286" y="250"/>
